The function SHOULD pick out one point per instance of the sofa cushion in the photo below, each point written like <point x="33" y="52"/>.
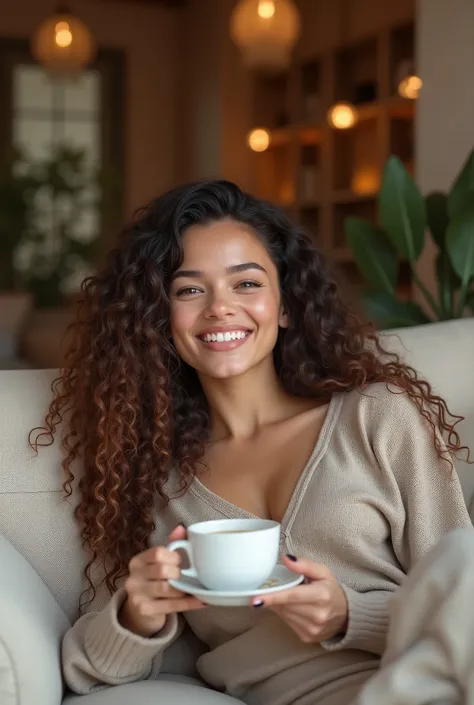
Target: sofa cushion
<point x="444" y="353"/>
<point x="31" y="628"/>
<point x="176" y="692"/>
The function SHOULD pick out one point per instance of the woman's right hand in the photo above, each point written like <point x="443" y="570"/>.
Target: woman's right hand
<point x="150" y="598"/>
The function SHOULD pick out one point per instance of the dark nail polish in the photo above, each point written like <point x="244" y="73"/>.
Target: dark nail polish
<point x="291" y="557"/>
<point x="258" y="603"/>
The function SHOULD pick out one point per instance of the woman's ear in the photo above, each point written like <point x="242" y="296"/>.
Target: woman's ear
<point x="283" y="318"/>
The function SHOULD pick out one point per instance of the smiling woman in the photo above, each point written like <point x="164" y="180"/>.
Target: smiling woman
<point x="216" y="373"/>
<point x="230" y="304"/>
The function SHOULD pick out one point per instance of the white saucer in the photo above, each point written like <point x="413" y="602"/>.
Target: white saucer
<point x="280" y="579"/>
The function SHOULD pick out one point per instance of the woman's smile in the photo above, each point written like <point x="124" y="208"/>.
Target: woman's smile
<point x="223" y="339"/>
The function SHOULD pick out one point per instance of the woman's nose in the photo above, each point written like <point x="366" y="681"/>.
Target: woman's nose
<point x="220" y="306"/>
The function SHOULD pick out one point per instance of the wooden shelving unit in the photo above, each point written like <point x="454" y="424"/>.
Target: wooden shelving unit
<point x="319" y="174"/>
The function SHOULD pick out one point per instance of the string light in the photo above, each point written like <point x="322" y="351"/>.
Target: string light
<point x="342" y="116"/>
<point x="258" y="139"/>
<point x="266" y="9"/>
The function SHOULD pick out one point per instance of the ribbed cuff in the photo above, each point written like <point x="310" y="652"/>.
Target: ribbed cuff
<point x="368" y="622"/>
<point x="118" y="653"/>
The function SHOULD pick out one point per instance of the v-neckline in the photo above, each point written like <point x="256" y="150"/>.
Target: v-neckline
<point x="233" y="511"/>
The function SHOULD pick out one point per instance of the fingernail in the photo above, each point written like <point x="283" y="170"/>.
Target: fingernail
<point x="291" y="557"/>
<point x="181" y="526"/>
<point x="258" y="603"/>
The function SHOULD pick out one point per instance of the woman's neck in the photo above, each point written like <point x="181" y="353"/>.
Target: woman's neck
<point x="242" y="405"/>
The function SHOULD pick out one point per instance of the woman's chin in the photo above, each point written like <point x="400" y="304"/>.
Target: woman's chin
<point x="225" y="371"/>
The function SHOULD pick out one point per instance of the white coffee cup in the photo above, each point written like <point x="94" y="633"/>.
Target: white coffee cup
<point x="231" y="554"/>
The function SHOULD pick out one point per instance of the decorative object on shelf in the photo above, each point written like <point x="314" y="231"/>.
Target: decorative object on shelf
<point x="265" y="31"/>
<point x="63" y="44"/>
<point x="258" y="139"/>
<point x="408" y="83"/>
<point x="343" y="116"/>
<point x="405" y="215"/>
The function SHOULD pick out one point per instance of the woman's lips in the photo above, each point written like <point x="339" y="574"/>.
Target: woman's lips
<point x="222" y="343"/>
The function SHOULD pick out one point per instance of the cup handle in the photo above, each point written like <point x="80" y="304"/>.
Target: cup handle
<point x="185" y="546"/>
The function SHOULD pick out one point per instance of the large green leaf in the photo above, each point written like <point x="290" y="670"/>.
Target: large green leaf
<point x="402" y="210"/>
<point x="374" y="256"/>
<point x="448" y="282"/>
<point x="462" y="190"/>
<point x="437" y="216"/>
<point x="389" y="312"/>
<point x="460" y="242"/>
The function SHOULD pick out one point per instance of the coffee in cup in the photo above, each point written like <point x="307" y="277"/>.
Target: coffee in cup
<point x="231" y="555"/>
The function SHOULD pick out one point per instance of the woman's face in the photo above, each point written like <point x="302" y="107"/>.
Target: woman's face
<point x="225" y="301"/>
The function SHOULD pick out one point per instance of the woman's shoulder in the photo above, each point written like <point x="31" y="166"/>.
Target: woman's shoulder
<point x="381" y="401"/>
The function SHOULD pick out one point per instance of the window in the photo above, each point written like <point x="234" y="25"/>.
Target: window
<point x="40" y="116"/>
<point x="48" y="114"/>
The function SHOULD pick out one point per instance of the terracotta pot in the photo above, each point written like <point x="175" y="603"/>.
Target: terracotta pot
<point x="42" y="339"/>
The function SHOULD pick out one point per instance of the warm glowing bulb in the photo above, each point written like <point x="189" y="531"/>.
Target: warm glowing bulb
<point x="259" y="140"/>
<point x="366" y="181"/>
<point x="342" y="116"/>
<point x="266" y="9"/>
<point x="410" y="86"/>
<point x="63" y="35"/>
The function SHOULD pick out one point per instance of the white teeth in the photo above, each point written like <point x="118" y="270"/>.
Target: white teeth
<point x="224" y="337"/>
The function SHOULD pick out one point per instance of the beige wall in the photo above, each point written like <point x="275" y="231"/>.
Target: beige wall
<point x="215" y="99"/>
<point x="147" y="33"/>
<point x="445" y="108"/>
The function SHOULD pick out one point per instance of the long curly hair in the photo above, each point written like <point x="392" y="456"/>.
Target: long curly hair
<point x="131" y="410"/>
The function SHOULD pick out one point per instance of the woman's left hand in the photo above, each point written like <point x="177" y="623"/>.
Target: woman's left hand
<point x="317" y="610"/>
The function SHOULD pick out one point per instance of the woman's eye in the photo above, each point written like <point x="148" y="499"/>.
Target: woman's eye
<point x="188" y="291"/>
<point x="248" y="285"/>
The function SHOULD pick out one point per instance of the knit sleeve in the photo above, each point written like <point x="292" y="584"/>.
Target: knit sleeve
<point x="97" y="651"/>
<point x="430" y="499"/>
<point x="367" y="627"/>
<point x="426" y="503"/>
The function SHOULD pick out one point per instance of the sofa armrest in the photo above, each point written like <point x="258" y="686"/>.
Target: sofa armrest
<point x="31" y="629"/>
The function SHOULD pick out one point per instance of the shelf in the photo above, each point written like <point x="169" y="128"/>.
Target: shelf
<point x="356" y="73"/>
<point x="311" y="102"/>
<point x="310" y="134"/>
<point x="343" y="196"/>
<point x="393" y="107"/>
<point x="281" y="136"/>
<point x="355" y="152"/>
<point x="272" y="102"/>
<point x="309" y="219"/>
<point x="402" y="54"/>
<point x="322" y="175"/>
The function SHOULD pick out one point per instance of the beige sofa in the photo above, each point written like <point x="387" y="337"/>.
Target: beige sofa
<point x="38" y="597"/>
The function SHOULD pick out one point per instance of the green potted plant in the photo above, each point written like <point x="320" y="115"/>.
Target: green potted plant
<point x="58" y="248"/>
<point x="17" y="190"/>
<point x="405" y="216"/>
